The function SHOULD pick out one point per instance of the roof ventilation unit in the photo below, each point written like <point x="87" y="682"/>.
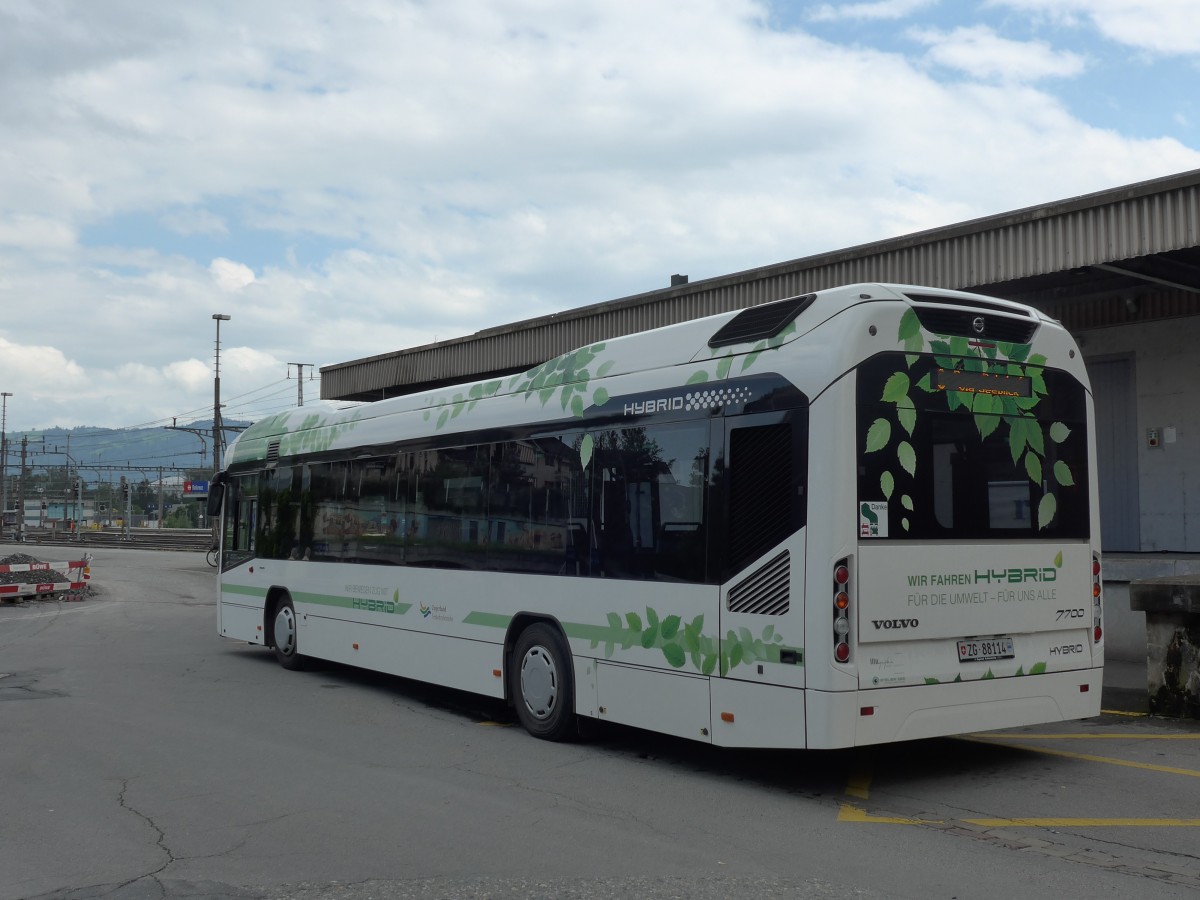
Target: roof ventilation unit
<point x="759" y="322"/>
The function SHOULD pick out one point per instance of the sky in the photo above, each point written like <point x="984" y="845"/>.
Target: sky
<point x="350" y="179"/>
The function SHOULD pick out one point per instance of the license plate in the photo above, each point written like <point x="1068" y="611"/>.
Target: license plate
<point x="978" y="649"/>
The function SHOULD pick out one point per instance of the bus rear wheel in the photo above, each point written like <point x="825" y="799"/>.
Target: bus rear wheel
<point x="542" y="683"/>
<point x="284" y="637"/>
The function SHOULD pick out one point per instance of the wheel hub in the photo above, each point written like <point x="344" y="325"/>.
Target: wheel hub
<point x="539" y="683"/>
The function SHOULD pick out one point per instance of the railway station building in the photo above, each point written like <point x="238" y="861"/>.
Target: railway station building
<point x="1119" y="268"/>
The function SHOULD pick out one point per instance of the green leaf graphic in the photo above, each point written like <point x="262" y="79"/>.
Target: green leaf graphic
<point x="723" y="367"/>
<point x="1033" y="466"/>
<point x="878" y="435"/>
<point x="910" y="325"/>
<point x="605" y="368"/>
<point x="674" y="654"/>
<point x="1037" y="669"/>
<point x="1058" y="560"/>
<point x="907" y="502"/>
<point x="1033" y="432"/>
<point x="907" y="457"/>
<point x="888" y="484"/>
<point x="986" y="424"/>
<point x="634" y="620"/>
<point x="698" y="377"/>
<point x="585" y="450"/>
<point x="670" y="627"/>
<point x="1046" y="510"/>
<point x="906" y="413"/>
<point x="896" y="387"/>
<point x="1062" y="474"/>
<point x="600" y="397"/>
<point x="1016" y="438"/>
<point x="1059" y="432"/>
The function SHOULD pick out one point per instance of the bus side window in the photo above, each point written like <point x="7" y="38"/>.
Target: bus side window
<point x="649" y="501"/>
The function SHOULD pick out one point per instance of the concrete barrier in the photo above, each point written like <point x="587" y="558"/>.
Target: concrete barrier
<point x="1172" y="608"/>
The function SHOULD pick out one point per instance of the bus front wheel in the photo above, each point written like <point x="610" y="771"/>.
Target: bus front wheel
<point x="284" y="637"/>
<point x="542" y="685"/>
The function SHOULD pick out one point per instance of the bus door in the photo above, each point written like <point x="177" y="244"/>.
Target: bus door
<point x="763" y="488"/>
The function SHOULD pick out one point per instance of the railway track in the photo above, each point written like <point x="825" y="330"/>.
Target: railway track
<point x="198" y="539"/>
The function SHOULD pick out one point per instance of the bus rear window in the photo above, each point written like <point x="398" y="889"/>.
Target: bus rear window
<point x="970" y="448"/>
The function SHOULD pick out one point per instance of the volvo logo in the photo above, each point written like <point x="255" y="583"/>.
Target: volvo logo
<point x="889" y="624"/>
<point x="977" y="324"/>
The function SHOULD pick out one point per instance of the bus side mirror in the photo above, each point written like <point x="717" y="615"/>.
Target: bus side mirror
<point x="216" y="492"/>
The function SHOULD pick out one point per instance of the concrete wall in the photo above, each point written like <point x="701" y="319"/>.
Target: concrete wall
<point x="1125" y="628"/>
<point x="1166" y="358"/>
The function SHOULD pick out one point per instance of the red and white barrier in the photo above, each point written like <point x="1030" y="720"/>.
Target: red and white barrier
<point x="78" y="573"/>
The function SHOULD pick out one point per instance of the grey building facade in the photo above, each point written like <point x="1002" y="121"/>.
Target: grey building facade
<point x="1120" y="268"/>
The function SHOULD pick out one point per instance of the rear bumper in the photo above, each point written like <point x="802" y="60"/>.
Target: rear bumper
<point x="936" y="710"/>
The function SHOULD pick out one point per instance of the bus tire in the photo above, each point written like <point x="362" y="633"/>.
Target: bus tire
<point x="284" y="637"/>
<point x="542" y="683"/>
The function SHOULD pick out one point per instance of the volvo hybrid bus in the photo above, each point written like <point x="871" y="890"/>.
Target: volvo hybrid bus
<point x="852" y="517"/>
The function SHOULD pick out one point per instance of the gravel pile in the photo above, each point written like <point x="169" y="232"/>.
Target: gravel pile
<point x="38" y="576"/>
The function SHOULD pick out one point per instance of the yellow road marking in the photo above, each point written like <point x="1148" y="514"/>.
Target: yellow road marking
<point x="850" y="813"/>
<point x="1123" y="712"/>
<point x="1087" y="757"/>
<point x="859" y="782"/>
<point x="1105" y="735"/>
<point x="1084" y="823"/>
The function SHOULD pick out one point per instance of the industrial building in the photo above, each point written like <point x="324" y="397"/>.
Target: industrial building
<point x="1119" y="268"/>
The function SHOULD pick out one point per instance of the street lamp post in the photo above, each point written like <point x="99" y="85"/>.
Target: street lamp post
<point x="217" y="432"/>
<point x="4" y="395"/>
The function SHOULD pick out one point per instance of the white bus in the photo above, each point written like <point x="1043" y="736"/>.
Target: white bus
<point x="858" y="516"/>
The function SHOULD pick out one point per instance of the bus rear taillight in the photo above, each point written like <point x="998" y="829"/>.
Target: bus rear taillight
<point x="841" y="611"/>
<point x="1097" y="592"/>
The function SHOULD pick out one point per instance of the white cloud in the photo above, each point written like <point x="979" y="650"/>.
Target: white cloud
<point x="195" y="221"/>
<point x="981" y="53"/>
<point x="231" y="276"/>
<point x="1169" y="27"/>
<point x="35" y="233"/>
<point x="348" y="183"/>
<point x="878" y="10"/>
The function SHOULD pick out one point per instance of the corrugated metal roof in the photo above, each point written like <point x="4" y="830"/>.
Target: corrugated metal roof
<point x="1014" y="249"/>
